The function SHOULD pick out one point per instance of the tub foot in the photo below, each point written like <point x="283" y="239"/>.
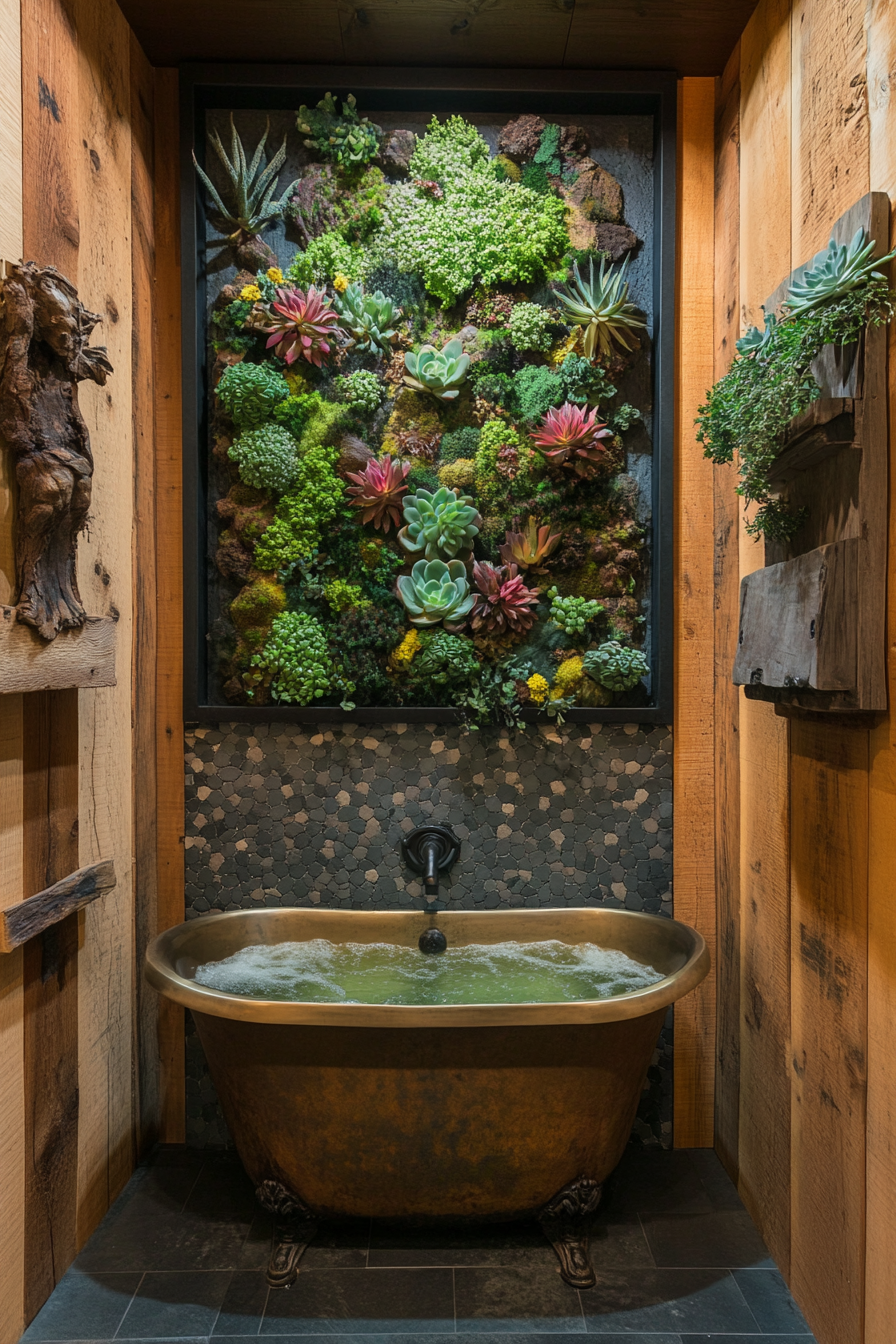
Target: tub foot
<point x="294" y="1228"/>
<point x="566" y="1222"/>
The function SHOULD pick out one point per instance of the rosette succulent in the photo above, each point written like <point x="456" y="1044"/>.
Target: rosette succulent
<point x="502" y="603"/>
<point x="378" y="490"/>
<point x="368" y="318"/>
<point x="616" y="667"/>
<point x="600" y="305"/>
<point x="342" y="138"/>
<point x="361" y="390"/>
<point x="573" y="614"/>
<point x="252" y="190"/>
<point x="530" y="549"/>
<point x="267" y="458"/>
<point x="436" y="593"/>
<point x="302" y="322"/>
<point x="250" y="393"/>
<point x="570" y="437"/>
<point x="754" y="341"/>
<point x="440" y="523"/>
<point x="440" y="372"/>
<point x="843" y="268"/>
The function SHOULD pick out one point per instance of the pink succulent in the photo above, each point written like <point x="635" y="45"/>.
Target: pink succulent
<point x="569" y="437"/>
<point x="503" y="602"/>
<point x="305" y="323"/>
<point x="378" y="490"/>
<point x="530" y="549"/>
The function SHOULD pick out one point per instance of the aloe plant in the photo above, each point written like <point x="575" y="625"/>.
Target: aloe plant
<point x="254" y="203"/>
<point x="436" y="593"/>
<point x="600" y="305"/>
<point x="440" y="523"/>
<point x="440" y="372"/>
<point x="368" y="318"/>
<point x="843" y="268"/>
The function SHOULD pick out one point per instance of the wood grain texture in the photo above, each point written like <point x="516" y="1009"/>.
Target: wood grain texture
<point x="829" y="885"/>
<point x="106" y="973"/>
<point x="31" y="917"/>
<point x="694" y="857"/>
<point x="456" y="32"/>
<point x="880" y="1161"/>
<point x="726" y="576"/>
<point x="50" y="136"/>
<point x="50" y="1045"/>
<point x="169" y="722"/>
<point x="10" y="232"/>
<point x="171" y="31"/>
<point x="82" y="657"/>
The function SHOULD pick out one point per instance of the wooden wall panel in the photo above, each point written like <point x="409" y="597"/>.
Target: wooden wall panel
<point x="694" y="1078"/>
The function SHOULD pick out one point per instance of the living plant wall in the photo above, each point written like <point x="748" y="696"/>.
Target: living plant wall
<point x="429" y="412"/>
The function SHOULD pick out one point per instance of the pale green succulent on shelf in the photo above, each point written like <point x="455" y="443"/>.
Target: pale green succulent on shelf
<point x="368" y="318"/>
<point x="440" y="523"/>
<point x="253" y="202"/>
<point x="754" y="341"/>
<point x="844" y="268"/>
<point x="615" y="666"/>
<point x="600" y="305"/>
<point x="436" y="593"/>
<point x="440" y="372"/>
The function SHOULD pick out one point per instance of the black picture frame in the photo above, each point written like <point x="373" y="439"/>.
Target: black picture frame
<point x="204" y="86"/>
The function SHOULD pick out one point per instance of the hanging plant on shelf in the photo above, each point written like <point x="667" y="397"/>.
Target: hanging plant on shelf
<point x="770" y="381"/>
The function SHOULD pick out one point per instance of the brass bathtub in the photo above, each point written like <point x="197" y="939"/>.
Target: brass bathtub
<point x="427" y="1113"/>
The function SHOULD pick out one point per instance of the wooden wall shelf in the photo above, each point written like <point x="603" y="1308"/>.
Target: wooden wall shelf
<point x="833" y="572"/>
<point x="75" y="658"/>
<point x="20" y="922"/>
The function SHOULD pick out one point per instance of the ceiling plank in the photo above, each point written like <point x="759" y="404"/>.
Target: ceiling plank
<point x="172" y="31"/>
<point x="693" y="38"/>
<point x="456" y="32"/>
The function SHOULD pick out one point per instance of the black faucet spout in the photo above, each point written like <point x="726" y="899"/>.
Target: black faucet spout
<point x="429" y="851"/>
<point x="432" y="853"/>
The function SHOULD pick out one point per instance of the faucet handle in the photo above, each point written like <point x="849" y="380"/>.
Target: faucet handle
<point x="430" y="850"/>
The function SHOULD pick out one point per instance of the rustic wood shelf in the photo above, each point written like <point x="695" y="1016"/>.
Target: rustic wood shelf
<point x="75" y="658"/>
<point x="824" y="429"/>
<point x="20" y="922"/>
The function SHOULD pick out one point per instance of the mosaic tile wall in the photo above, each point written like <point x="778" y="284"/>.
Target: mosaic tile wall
<point x="572" y="816"/>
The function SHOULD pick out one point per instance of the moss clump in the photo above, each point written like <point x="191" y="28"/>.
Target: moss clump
<point x="458" y="475"/>
<point x="314" y="499"/>
<point x="253" y="610"/>
<point x="459" y="443"/>
<point x="413" y="413"/>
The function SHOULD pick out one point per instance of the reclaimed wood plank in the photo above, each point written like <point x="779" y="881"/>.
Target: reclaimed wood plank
<point x="654" y="35"/>
<point x="172" y="31"/>
<point x="694" y="877"/>
<point x="106" y="979"/>
<point x="21" y="922"/>
<point x="84" y="657"/>
<point x="50" y="136"/>
<point x="726" y="700"/>
<point x="444" y="33"/>
<point x="169" y="699"/>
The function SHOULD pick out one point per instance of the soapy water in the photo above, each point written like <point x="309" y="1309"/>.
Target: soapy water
<point x="318" y="971"/>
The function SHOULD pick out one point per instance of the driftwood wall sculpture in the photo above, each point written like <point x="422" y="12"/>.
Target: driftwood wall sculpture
<point x="44" y="354"/>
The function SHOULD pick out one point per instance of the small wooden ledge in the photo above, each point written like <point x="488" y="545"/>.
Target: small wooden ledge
<point x="826" y="427"/>
<point x="84" y="657"/>
<point x="20" y="922"/>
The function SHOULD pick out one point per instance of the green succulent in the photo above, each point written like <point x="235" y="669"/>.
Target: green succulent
<point x="843" y="268"/>
<point x="343" y="138"/>
<point x="529" y="327"/>
<point x="361" y="390"/>
<point x="314" y="497"/>
<point x="368" y="318"/>
<point x="583" y="381"/>
<point x="440" y="523"/>
<point x="435" y="592"/>
<point x="440" y="372"/>
<point x="573" y="614"/>
<point x="342" y="596"/>
<point x="754" y="341"/>
<point x="446" y="660"/>
<point x="267" y="458"/>
<point x="616" y="667"/>
<point x="299" y="663"/>
<point x="253" y="203"/>
<point x="459" y="443"/>
<point x="250" y="393"/>
<point x="600" y="305"/>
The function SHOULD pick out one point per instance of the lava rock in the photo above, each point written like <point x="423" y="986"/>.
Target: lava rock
<point x="594" y="198"/>
<point x="616" y="240"/>
<point x="574" y="143"/>
<point x="395" y="152"/>
<point x="353" y="454"/>
<point x="519" y="139"/>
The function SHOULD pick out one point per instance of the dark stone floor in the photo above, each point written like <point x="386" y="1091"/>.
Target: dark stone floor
<point x="181" y="1256"/>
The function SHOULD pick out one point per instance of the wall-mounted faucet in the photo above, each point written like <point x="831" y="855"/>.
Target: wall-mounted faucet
<point x="430" y="850"/>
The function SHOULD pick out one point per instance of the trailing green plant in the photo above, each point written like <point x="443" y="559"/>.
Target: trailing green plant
<point x="362" y="392"/>
<point x="748" y="411"/>
<point x="583" y="381"/>
<point x="573" y="615"/>
<point x="435" y="592"/>
<point x="344" y="138"/>
<point x="600" y="305"/>
<point x="342" y="596"/>
<point x="250" y="393"/>
<point x="439" y="372"/>
<point x="616" y="666"/>
<point x="370" y="319"/>
<point x="253" y="201"/>
<point x="529" y="327"/>
<point x="267" y="458"/>
<point x="441" y="524"/>
<point x="445" y="661"/>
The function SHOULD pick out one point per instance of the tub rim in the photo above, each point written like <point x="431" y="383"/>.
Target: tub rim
<point x="160" y="967"/>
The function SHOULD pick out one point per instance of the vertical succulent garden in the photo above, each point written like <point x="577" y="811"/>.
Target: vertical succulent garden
<point x="418" y="443"/>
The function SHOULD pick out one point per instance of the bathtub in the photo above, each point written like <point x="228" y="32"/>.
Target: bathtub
<point x="429" y="1113"/>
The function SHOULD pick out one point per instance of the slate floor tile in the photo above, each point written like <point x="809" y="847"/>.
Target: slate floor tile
<point x="523" y="1301"/>
<point x="363" y="1301"/>
<point x="714" y="1179"/>
<point x="769" y="1299"/>
<point x="479" y="1245"/>
<point x="666" y="1299"/>
<point x="83" y="1306"/>
<point x="341" y="1245"/>
<point x="149" y="1237"/>
<point x="717" y="1238"/>
<point x="619" y="1246"/>
<point x="243" y="1305"/>
<point x="223" y="1190"/>
<point x="175" y="1305"/>
<point x="745" y="1339"/>
<point x="653" y="1182"/>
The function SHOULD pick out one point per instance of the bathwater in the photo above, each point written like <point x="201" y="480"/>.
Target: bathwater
<point x="318" y="971"/>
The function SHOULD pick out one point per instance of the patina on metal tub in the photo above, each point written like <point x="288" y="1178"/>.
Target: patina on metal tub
<point x="495" y="1111"/>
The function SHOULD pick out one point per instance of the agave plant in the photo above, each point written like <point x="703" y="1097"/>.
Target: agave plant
<point x="601" y="306"/>
<point x="571" y="437"/>
<point x="378" y="490"/>
<point x="435" y="592"/>
<point x="531" y="548"/>
<point x="440" y="372"/>
<point x="440" y="523"/>
<point x="502" y="603"/>
<point x="368" y="318"/>
<point x="843" y="268"/>
<point x="304" y="325"/>
<point x="253" y="188"/>
<point x="754" y="341"/>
